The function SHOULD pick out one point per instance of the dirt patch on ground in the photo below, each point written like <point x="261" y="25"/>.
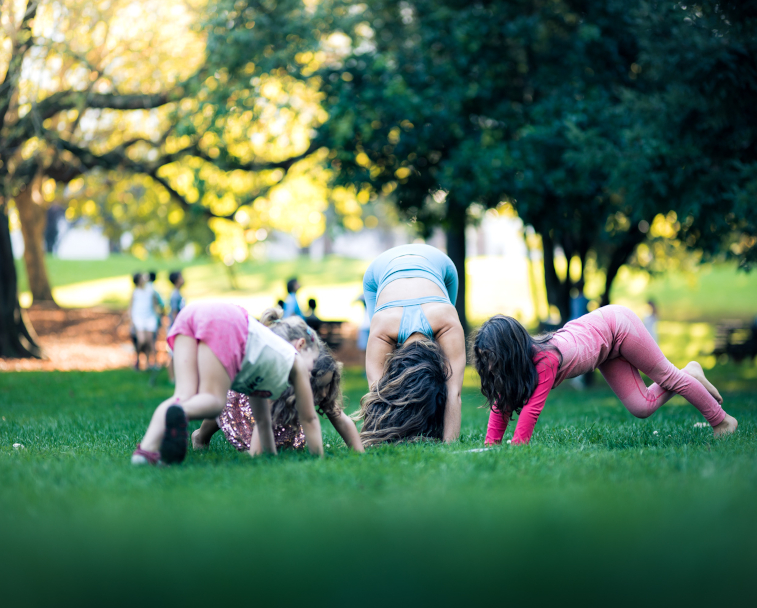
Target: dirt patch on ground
<point x="95" y="339"/>
<point x="87" y="339"/>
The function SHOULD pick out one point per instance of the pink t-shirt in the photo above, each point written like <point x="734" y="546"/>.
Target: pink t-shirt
<point x="547" y="364"/>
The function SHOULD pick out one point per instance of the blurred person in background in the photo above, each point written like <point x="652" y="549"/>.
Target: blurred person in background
<point x="175" y="304"/>
<point x="143" y="313"/>
<point x="152" y="275"/>
<point x="311" y="318"/>
<point x="579" y="306"/>
<point x="291" y="306"/>
<point x="650" y="321"/>
<point x="579" y="303"/>
<point x="365" y="327"/>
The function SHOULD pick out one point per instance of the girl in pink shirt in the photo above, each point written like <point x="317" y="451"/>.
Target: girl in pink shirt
<point x="518" y="371"/>
<point x="218" y="347"/>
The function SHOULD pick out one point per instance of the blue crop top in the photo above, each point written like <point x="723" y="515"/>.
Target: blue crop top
<point x="426" y="263"/>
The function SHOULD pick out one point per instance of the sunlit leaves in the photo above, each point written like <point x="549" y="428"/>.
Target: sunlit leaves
<point x="135" y="205"/>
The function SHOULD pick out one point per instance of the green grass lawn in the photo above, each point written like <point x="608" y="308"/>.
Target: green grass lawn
<point x="711" y="293"/>
<point x="600" y="509"/>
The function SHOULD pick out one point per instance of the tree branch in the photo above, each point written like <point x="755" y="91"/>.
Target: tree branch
<point x="116" y="159"/>
<point x="229" y="163"/>
<point x="21" y="46"/>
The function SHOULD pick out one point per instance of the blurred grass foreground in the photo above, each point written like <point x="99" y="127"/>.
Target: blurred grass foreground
<point x="601" y="508"/>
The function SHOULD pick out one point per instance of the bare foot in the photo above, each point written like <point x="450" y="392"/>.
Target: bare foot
<point x="695" y="371"/>
<point x="197" y="444"/>
<point x="728" y="426"/>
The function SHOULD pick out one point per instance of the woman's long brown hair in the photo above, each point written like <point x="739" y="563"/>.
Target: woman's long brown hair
<point x="409" y="399"/>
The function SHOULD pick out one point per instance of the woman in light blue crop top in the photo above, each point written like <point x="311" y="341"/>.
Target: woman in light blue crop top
<point x="410" y="294"/>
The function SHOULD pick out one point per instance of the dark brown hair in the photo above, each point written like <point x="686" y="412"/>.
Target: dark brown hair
<point x="409" y="399"/>
<point x="504" y="355"/>
<point x="284" y="411"/>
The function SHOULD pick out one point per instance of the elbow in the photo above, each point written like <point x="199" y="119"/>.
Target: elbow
<point x="308" y="419"/>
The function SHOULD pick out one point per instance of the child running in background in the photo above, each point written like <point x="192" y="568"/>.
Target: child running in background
<point x="518" y="371"/>
<point x="143" y="310"/>
<point x="238" y="423"/>
<point x="291" y="306"/>
<point x="160" y="306"/>
<point x="176" y="301"/>
<point x="217" y="346"/>
<point x="175" y="304"/>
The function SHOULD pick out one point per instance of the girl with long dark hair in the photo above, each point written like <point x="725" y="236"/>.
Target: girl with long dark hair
<point x="415" y="356"/>
<point x="518" y="371"/>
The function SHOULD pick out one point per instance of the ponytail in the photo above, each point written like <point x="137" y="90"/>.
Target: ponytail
<point x="291" y="328"/>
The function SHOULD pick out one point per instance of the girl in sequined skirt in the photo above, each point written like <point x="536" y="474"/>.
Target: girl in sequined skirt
<point x="238" y="424"/>
<point x="217" y="347"/>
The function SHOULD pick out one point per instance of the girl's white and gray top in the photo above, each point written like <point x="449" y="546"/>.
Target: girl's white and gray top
<point x="268" y="360"/>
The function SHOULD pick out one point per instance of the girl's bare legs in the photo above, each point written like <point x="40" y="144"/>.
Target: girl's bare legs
<point x="202" y="436"/>
<point x="144" y="344"/>
<point x="185" y="351"/>
<point x="201" y="387"/>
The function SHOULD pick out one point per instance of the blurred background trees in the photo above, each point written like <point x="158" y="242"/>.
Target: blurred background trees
<point x="613" y="128"/>
<point x="591" y="118"/>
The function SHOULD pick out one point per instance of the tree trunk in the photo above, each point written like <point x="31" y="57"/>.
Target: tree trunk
<point x="33" y="216"/>
<point x="456" y="251"/>
<point x="17" y="337"/>
<point x="618" y="258"/>
<point x="558" y="292"/>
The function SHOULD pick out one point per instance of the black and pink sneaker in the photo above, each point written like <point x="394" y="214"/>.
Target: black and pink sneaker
<point x="173" y="448"/>
<point x="141" y="456"/>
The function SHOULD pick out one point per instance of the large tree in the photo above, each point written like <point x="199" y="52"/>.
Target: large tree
<point x="447" y="104"/>
<point x="591" y="118"/>
<point x="29" y="147"/>
<point x="204" y="148"/>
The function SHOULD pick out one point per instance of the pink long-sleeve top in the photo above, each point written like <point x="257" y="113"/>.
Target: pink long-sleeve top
<point x="547" y="365"/>
<point x="583" y="345"/>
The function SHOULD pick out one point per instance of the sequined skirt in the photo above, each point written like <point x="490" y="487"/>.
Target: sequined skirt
<point x="237" y="423"/>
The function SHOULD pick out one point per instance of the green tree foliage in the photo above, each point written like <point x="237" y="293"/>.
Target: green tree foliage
<point x="454" y="103"/>
<point x="64" y="66"/>
<point x="592" y="119"/>
<point x="691" y="139"/>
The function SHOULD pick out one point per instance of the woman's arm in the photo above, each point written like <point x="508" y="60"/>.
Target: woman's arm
<point x="378" y="348"/>
<point x="452" y="341"/>
<point x="255" y="442"/>
<point x="311" y="426"/>
<point x="262" y="437"/>
<point x="347" y="429"/>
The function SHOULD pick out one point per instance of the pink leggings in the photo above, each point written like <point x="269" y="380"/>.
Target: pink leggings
<point x="638" y="351"/>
